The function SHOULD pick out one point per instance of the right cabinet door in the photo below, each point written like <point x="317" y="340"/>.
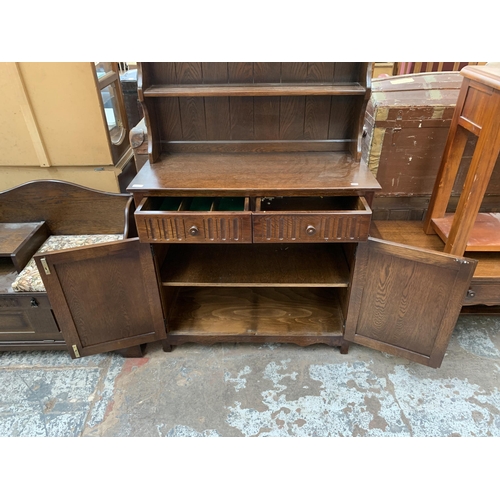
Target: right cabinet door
<point x="405" y="301"/>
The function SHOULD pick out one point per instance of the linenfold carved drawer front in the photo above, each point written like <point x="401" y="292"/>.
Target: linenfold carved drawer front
<point x="194" y="220"/>
<point x="311" y="219"/>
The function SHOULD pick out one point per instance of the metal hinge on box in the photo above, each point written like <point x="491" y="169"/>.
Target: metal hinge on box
<point x="75" y="350"/>
<point x="45" y="265"/>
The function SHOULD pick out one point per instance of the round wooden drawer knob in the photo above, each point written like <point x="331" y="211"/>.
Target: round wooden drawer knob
<point x="193" y="230"/>
<point x="310" y="230"/>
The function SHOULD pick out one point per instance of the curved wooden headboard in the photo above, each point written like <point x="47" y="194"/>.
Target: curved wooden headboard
<point x="68" y="208"/>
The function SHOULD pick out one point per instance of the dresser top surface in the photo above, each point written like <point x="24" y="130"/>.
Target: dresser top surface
<point x="252" y="174"/>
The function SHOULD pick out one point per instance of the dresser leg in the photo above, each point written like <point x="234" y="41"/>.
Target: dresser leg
<point x="344" y="347"/>
<point x="166" y="346"/>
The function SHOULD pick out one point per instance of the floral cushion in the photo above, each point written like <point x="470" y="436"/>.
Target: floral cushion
<point x="29" y="279"/>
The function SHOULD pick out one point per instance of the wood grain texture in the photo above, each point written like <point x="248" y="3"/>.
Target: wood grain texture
<point x="483" y="292"/>
<point x="248" y="174"/>
<point x="266" y="115"/>
<point x="317" y="117"/>
<point x="27" y="322"/>
<point x="169" y="118"/>
<point x="477" y="179"/>
<point x="411" y="233"/>
<point x="268" y="72"/>
<point x="66" y="208"/>
<point x="483" y="237"/>
<point x="257" y="146"/>
<point x="395" y="309"/>
<point x="192" y="111"/>
<point x="215" y="72"/>
<point x="256" y="72"/>
<point x="293" y="72"/>
<point x="298" y="219"/>
<point x="20" y="241"/>
<point x="244" y="101"/>
<point x="320" y="72"/>
<point x="188" y="73"/>
<point x="241" y="118"/>
<point x="255" y="265"/>
<point x="184" y="225"/>
<point x="217" y="119"/>
<point x="349" y="72"/>
<point x="292" y="111"/>
<point x="253" y="90"/>
<point x="240" y="72"/>
<point x="95" y="291"/>
<point x="341" y="118"/>
<point x="299" y="315"/>
<point x="477" y="111"/>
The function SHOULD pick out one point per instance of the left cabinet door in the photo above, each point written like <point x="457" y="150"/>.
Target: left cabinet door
<point x="105" y="297"/>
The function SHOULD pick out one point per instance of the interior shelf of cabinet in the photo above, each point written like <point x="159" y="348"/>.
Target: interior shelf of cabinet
<point x="255" y="90"/>
<point x="254" y="174"/>
<point x="243" y="265"/>
<point x="484" y="236"/>
<point x="262" y="312"/>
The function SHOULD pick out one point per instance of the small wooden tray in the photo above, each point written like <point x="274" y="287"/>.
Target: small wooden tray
<point x="19" y="241"/>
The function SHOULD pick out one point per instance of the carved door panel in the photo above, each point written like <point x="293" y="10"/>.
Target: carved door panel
<point x="405" y="301"/>
<point x="105" y="297"/>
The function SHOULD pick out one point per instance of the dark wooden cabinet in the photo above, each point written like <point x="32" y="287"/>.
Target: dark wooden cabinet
<point x="267" y="155"/>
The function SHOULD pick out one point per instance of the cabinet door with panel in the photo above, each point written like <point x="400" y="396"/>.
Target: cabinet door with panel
<point x="405" y="301"/>
<point x="104" y="296"/>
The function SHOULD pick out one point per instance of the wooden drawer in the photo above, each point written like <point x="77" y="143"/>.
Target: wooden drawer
<point x="311" y="219"/>
<point x="485" y="293"/>
<point x="194" y="220"/>
<point x="25" y="317"/>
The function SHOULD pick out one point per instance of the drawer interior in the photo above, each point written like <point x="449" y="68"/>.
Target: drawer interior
<point x="195" y="204"/>
<point x="312" y="204"/>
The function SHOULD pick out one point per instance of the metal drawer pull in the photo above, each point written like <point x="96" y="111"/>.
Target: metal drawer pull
<point x="471" y="293"/>
<point x="310" y="230"/>
<point x="34" y="303"/>
<point x="193" y="230"/>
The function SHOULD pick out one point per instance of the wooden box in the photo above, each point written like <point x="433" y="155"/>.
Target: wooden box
<point x="405" y="130"/>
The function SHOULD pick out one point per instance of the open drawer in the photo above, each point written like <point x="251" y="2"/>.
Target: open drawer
<point x="194" y="220"/>
<point x="311" y="219"/>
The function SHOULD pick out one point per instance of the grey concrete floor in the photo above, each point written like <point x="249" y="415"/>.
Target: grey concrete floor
<point x="257" y="390"/>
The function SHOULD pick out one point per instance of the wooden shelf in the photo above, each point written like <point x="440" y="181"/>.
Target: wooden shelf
<point x="255" y="90"/>
<point x="254" y="174"/>
<point x="19" y="241"/>
<point x="485" y="234"/>
<point x="294" y="265"/>
<point x="411" y="233"/>
<point x="230" y="313"/>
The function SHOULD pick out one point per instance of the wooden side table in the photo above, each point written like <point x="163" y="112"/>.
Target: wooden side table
<point x="477" y="112"/>
<point x="20" y="241"/>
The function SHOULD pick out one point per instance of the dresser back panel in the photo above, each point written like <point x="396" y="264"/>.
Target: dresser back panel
<point x="250" y="123"/>
<point x="191" y="73"/>
<point x="233" y="119"/>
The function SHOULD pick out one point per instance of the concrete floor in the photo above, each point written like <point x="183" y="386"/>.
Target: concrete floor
<point x="257" y="390"/>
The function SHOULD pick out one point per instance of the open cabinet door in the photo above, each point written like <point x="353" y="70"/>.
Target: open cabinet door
<point x="105" y="297"/>
<point x="405" y="301"/>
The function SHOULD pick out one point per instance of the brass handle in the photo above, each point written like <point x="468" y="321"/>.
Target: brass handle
<point x="310" y="230"/>
<point x="193" y="230"/>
